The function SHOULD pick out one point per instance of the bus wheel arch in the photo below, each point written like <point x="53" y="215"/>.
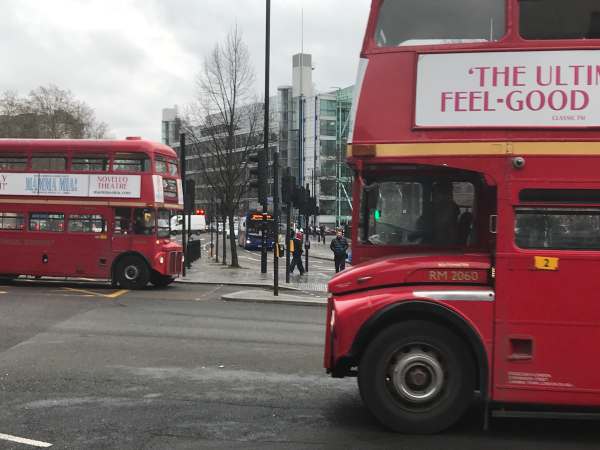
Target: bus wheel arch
<point x="428" y="312"/>
<point x="130" y="270"/>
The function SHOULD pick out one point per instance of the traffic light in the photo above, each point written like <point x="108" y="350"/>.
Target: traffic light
<point x="190" y="195"/>
<point x="299" y="197"/>
<point x="258" y="175"/>
<point x="313" y="209"/>
<point x="200" y="212"/>
<point x="288" y="184"/>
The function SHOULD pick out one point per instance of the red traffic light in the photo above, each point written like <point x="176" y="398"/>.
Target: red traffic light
<point x="199" y="212"/>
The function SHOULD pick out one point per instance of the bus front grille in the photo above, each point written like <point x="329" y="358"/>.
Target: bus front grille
<point x="174" y="262"/>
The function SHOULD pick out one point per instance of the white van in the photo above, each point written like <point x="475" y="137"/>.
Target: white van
<point x="198" y="224"/>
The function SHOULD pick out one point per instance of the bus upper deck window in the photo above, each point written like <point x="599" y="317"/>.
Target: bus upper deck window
<point x="172" y="167"/>
<point x="48" y="162"/>
<point x="13" y="162"/>
<point x="557" y="19"/>
<point x="160" y="165"/>
<point x="90" y="163"/>
<point x="131" y="162"/>
<point x="431" y="22"/>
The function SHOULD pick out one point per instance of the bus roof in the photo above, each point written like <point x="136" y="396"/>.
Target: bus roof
<point x="52" y="145"/>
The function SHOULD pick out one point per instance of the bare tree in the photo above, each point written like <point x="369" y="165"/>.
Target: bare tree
<point x="223" y="124"/>
<point x="48" y="112"/>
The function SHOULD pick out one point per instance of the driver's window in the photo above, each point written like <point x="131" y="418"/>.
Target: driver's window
<point x="390" y="212"/>
<point x="411" y="213"/>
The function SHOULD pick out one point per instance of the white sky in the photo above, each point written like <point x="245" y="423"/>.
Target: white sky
<point x="128" y="59"/>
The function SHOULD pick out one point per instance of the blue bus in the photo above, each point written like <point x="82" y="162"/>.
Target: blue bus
<point x="250" y="230"/>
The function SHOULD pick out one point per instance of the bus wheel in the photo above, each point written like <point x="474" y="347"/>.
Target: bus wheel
<point x="132" y="273"/>
<point x="160" y="280"/>
<point x="417" y="377"/>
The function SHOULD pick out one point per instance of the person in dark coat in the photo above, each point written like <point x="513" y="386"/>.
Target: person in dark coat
<point x="322" y="232"/>
<point x="297" y="254"/>
<point x="339" y="247"/>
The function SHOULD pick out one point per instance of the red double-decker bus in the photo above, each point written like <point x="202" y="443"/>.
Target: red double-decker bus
<point x="83" y="208"/>
<point x="476" y="221"/>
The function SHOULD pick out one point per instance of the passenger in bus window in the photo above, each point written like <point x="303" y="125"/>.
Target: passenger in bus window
<point x="439" y="224"/>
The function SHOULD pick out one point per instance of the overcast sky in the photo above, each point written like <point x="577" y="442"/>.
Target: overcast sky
<point x="128" y="59"/>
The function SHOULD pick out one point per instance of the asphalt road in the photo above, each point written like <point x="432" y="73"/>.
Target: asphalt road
<point x="83" y="366"/>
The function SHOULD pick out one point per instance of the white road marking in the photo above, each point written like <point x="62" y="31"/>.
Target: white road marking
<point x="8" y="437"/>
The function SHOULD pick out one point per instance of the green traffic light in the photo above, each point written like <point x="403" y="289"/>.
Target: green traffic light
<point x="377" y="215"/>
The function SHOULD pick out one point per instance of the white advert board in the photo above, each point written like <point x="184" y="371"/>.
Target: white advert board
<point x="509" y="89"/>
<point x="70" y="185"/>
<point x="159" y="192"/>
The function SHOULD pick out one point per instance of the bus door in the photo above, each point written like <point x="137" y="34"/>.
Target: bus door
<point x="122" y="230"/>
<point x="547" y="312"/>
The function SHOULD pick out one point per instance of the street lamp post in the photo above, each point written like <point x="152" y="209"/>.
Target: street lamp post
<point x="275" y="155"/>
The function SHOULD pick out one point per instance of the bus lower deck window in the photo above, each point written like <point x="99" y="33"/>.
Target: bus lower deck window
<point x="12" y="221"/>
<point x="53" y="222"/>
<point x="86" y="223"/>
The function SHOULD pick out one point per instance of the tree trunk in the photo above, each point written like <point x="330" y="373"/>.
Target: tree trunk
<point x="224" y="262"/>
<point x="232" y="243"/>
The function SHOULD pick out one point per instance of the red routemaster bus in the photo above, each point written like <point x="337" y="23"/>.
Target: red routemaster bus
<point x="84" y="208"/>
<point x="476" y="222"/>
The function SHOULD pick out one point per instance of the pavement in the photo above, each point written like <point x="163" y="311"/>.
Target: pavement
<point x="207" y="270"/>
<point x="263" y="296"/>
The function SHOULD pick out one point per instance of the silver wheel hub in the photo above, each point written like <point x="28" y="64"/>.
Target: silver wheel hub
<point x="132" y="272"/>
<point x="417" y="376"/>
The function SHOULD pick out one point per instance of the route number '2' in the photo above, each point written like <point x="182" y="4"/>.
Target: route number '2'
<point x="545" y="263"/>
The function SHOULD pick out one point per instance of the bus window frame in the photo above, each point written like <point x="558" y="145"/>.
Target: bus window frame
<point x="146" y="157"/>
<point x="86" y="233"/>
<point x="25" y="156"/>
<point x="85" y="155"/>
<point x="49" y="155"/>
<point x="29" y="219"/>
<point x="535" y="41"/>
<point x="510" y="35"/>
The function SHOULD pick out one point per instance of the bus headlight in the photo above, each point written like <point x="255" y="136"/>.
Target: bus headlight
<point x="161" y="260"/>
<point x="247" y="241"/>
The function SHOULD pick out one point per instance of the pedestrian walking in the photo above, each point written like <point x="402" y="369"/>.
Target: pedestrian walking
<point x="339" y="247"/>
<point x="322" y="231"/>
<point x="297" y="253"/>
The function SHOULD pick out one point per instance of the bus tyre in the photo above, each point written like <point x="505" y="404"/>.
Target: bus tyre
<point x="160" y="280"/>
<point x="132" y="273"/>
<point x="417" y="377"/>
